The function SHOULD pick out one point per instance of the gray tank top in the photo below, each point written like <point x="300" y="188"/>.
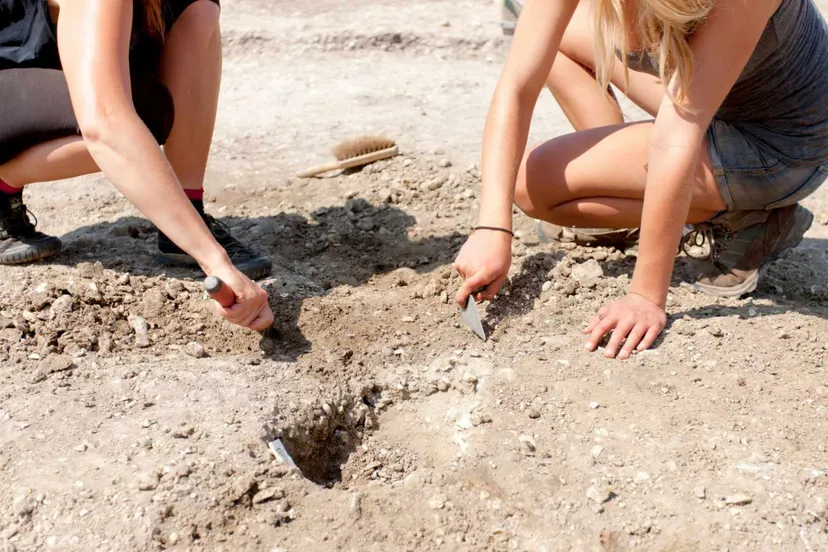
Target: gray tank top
<point x="781" y="98"/>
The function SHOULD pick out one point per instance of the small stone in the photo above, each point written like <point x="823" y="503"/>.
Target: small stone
<point x="435" y="183"/>
<point x="148" y="481"/>
<point x="62" y="305"/>
<point x="195" y="350"/>
<point x="528" y="442"/>
<point x="355" y="505"/>
<point x="599" y="493"/>
<point x="183" y="432"/>
<point x="268" y="494"/>
<point x="437" y="502"/>
<point x="444" y="298"/>
<point x="404" y="276"/>
<point x="444" y="163"/>
<point x="533" y="412"/>
<point x="783" y="335"/>
<point x="700" y="492"/>
<point x="547" y="285"/>
<point x="641" y="477"/>
<point x="738" y="500"/>
<point x="80" y="448"/>
<point x="587" y="271"/>
<point x="570" y="287"/>
<point x="182" y="470"/>
<point x="594" y="405"/>
<point x="57" y="363"/>
<point x="596" y="451"/>
<point x="366" y="224"/>
<point x="11" y="335"/>
<point x="141" y="329"/>
<point x="715" y="331"/>
<point x="51" y="541"/>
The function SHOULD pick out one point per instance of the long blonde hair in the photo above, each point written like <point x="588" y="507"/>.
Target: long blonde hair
<point x="663" y="27"/>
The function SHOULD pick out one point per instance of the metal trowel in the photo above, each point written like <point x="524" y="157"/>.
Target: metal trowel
<point x="470" y="316"/>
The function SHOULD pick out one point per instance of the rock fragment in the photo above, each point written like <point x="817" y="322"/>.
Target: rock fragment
<point x="599" y="493"/>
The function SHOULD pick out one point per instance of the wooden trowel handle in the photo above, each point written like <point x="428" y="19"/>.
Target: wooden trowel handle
<point x="219" y="292"/>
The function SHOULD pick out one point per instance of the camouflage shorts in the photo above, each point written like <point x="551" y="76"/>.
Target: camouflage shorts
<point x="511" y="12"/>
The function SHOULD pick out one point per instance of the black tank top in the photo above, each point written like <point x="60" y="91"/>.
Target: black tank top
<point x="27" y="36"/>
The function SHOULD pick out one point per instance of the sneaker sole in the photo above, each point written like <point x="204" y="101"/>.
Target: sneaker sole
<point x="26" y="256"/>
<point x="802" y="221"/>
<point x="253" y="270"/>
<point x="602" y="238"/>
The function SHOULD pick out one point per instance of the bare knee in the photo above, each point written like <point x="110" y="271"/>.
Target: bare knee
<point x="525" y="197"/>
<point x="200" y="21"/>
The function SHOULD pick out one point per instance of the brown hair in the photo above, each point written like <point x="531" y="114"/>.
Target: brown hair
<point x="153" y="17"/>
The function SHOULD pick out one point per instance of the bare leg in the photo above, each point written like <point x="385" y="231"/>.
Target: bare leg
<point x="572" y="79"/>
<point x="597" y="177"/>
<point x="50" y="161"/>
<point x="191" y="69"/>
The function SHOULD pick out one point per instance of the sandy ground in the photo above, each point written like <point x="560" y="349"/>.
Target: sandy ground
<point x="117" y="434"/>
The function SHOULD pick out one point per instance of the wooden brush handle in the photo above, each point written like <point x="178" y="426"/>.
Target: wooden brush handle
<point x="350" y="163"/>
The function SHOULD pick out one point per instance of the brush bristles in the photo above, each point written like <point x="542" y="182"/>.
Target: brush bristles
<point x="361" y="146"/>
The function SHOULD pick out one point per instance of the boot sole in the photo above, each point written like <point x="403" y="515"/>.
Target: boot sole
<point x="793" y="238"/>
<point x="253" y="270"/>
<point x="43" y="251"/>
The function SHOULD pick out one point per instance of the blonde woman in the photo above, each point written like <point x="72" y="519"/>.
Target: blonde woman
<point x="737" y="89"/>
<point x="98" y="85"/>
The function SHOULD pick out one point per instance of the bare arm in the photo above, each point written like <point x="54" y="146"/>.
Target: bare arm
<point x="722" y="48"/>
<point x="93" y="39"/>
<point x="537" y="39"/>
<point x="485" y="258"/>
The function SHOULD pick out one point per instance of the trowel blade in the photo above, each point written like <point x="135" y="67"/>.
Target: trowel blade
<point x="471" y="318"/>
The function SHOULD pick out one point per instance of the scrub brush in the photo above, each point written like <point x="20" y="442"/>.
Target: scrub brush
<point x="356" y="153"/>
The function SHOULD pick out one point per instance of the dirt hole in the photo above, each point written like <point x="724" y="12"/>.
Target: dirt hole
<point x="322" y="438"/>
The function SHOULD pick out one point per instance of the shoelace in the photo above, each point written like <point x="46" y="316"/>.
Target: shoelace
<point x="716" y="237"/>
<point x="18" y="224"/>
<point x="234" y="248"/>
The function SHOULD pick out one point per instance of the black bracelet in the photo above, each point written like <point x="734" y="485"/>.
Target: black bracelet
<point x="495" y="228"/>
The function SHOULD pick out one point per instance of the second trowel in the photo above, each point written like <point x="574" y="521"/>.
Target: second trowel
<point x="470" y="316"/>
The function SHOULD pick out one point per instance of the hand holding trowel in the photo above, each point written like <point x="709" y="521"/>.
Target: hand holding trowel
<point x="483" y="263"/>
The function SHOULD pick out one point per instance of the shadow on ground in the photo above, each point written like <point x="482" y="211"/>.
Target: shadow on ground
<point x="336" y="246"/>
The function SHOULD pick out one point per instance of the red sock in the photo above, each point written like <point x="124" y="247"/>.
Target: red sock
<point x="6" y="189"/>
<point x="195" y="195"/>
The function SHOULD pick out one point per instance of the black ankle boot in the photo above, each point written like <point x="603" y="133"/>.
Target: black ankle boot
<point x="251" y="263"/>
<point x="20" y="243"/>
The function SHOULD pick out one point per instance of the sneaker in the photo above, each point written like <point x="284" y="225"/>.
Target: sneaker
<point x="511" y="13"/>
<point x="20" y="243"/>
<point x="251" y="263"/>
<point x="599" y="237"/>
<point x="739" y="244"/>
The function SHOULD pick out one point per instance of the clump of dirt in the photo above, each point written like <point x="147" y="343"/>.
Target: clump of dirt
<point x="93" y="310"/>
